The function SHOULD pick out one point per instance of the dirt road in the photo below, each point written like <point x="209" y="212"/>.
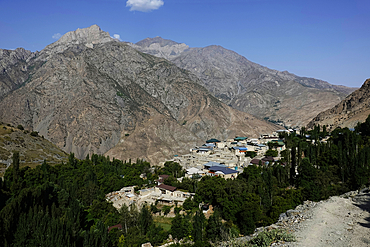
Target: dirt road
<point x="338" y="221"/>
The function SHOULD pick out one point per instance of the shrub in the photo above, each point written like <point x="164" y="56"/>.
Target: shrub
<point x="34" y="133"/>
<point x="20" y="127"/>
<point x="271" y="152"/>
<point x="166" y="210"/>
<point x="266" y="238"/>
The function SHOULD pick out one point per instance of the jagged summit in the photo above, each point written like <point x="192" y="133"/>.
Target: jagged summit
<point x="92" y="34"/>
<point x="85" y="37"/>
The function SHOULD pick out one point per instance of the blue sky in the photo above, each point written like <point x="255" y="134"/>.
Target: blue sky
<point x="328" y="40"/>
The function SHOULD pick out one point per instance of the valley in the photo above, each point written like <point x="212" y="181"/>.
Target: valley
<point x="161" y="144"/>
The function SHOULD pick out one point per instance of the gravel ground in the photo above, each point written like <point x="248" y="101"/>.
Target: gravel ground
<point x="339" y="221"/>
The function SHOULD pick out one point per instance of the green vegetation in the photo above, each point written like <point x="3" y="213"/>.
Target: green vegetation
<point x="251" y="154"/>
<point x="64" y="205"/>
<point x="67" y="202"/>
<point x="266" y="238"/>
<point x="271" y="152"/>
<point x="120" y="94"/>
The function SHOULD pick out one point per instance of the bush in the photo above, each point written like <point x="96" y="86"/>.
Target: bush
<point x="177" y="210"/>
<point x="271" y="152"/>
<point x="266" y="238"/>
<point x="251" y="154"/>
<point x="34" y="133"/>
<point x="20" y="127"/>
<point x="166" y="209"/>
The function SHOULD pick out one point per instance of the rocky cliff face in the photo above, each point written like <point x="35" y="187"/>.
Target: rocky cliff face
<point x="353" y="109"/>
<point x="14" y="69"/>
<point x="278" y="96"/>
<point x="89" y="93"/>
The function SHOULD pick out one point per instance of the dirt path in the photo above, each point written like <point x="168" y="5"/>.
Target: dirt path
<point x="337" y="221"/>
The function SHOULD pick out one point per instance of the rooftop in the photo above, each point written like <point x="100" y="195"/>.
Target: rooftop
<point x="167" y="187"/>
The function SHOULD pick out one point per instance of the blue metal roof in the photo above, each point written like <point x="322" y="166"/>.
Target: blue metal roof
<point x="214" y="164"/>
<point x="224" y="170"/>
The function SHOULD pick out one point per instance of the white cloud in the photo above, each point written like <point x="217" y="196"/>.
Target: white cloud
<point x="117" y="36"/>
<point x="144" y="5"/>
<point x="56" y="36"/>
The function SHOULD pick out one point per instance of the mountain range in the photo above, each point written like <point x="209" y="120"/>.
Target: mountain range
<point x="280" y="97"/>
<point x="89" y="93"/>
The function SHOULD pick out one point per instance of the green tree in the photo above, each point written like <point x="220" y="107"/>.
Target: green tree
<point x="198" y="226"/>
<point x="145" y="220"/>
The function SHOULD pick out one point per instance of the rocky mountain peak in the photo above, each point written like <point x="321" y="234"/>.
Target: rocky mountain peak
<point x="92" y="34"/>
<point x="156" y="40"/>
<point x="87" y="37"/>
<point x="160" y="47"/>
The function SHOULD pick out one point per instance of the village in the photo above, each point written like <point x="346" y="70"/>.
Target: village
<point x="226" y="159"/>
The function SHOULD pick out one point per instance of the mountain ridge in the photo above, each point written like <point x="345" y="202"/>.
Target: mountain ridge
<point x="253" y="88"/>
<point x="112" y="99"/>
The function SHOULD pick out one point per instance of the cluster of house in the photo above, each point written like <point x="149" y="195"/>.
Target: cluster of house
<point x="230" y="153"/>
<point x="161" y="193"/>
<point x="225" y="159"/>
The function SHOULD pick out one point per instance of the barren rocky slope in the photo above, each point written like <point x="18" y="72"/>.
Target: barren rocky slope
<point x="249" y="87"/>
<point x="89" y="93"/>
<point x="353" y="109"/>
<point x="13" y="69"/>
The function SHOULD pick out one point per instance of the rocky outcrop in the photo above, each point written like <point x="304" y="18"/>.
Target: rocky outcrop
<point x="110" y="98"/>
<point x="274" y="95"/>
<point x="353" y="109"/>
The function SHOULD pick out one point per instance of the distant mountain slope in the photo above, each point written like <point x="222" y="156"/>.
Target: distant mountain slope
<point x="250" y="87"/>
<point x="90" y="93"/>
<point x="353" y="109"/>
